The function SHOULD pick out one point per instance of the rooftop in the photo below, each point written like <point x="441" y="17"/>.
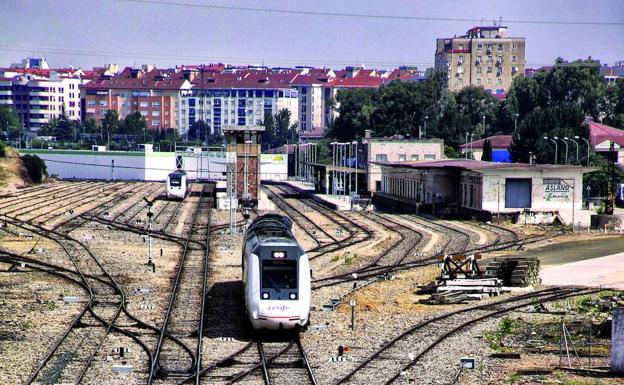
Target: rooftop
<point x="477" y="165"/>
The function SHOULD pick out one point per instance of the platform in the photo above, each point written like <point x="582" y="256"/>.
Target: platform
<point x="340" y="203"/>
<point x="607" y="272"/>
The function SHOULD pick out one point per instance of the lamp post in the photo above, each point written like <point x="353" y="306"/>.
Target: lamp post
<point x="484" y="124"/>
<point x="588" y="147"/>
<point x="566" y="144"/>
<point x="425" y="130"/>
<point x="356" y="165"/>
<point x="466" y="144"/>
<point x="516" y="123"/>
<point x="471" y="144"/>
<point x="332" y="189"/>
<point x="556" y="147"/>
<point x="577" y="147"/>
<point x="246" y="171"/>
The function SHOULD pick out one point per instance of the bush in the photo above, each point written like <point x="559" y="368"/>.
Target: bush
<point x="35" y="167"/>
<point x="2" y="150"/>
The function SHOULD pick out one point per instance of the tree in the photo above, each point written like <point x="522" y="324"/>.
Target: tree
<point x="133" y="124"/>
<point x="355" y="110"/>
<point x="278" y="130"/>
<point x="10" y="122"/>
<point x="487" y="151"/>
<point x="62" y="128"/>
<point x="199" y="131"/>
<point x="35" y="167"/>
<point x="110" y="125"/>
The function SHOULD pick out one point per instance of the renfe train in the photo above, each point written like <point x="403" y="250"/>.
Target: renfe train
<point x="276" y="275"/>
<point x="177" y="185"/>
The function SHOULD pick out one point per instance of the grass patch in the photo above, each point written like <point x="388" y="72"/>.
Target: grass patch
<point x="505" y="327"/>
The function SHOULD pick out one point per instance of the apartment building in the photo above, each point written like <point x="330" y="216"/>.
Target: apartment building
<point x="154" y="93"/>
<point x="39" y="95"/>
<point x="310" y="93"/>
<point x="237" y="98"/>
<point x="484" y="57"/>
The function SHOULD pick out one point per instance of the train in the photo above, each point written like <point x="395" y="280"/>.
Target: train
<point x="177" y="185"/>
<point x="276" y="275"/>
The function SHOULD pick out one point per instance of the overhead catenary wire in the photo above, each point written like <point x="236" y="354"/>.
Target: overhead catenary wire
<point x="364" y="15"/>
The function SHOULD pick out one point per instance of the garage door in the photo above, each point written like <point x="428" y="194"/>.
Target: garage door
<point x="517" y="193"/>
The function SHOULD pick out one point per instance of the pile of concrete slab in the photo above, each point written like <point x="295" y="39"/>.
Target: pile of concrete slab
<point x="464" y="290"/>
<point x="515" y="271"/>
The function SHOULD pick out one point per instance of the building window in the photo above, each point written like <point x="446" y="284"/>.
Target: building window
<point x="155" y="104"/>
<point x="144" y="113"/>
<point x="415" y="156"/>
<point x="155" y="113"/>
<point x="91" y="103"/>
<point x="490" y="59"/>
<point x="489" y="81"/>
<point x="514" y="46"/>
<point x="479" y="69"/>
<point x="103" y="103"/>
<point x="402" y="157"/>
<point x="489" y="70"/>
<point x="478" y="81"/>
<point x="499" y="81"/>
<point x="461" y="46"/>
<point x="156" y="122"/>
<point x="381" y="158"/>
<point x="479" y="47"/>
<point x="430" y="156"/>
<point x="304" y="90"/>
<point x="500" y="47"/>
<point x="143" y="104"/>
<point x="514" y="58"/>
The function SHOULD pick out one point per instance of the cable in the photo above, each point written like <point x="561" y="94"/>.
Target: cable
<point x="71" y="51"/>
<point x="362" y="15"/>
<point x="79" y="52"/>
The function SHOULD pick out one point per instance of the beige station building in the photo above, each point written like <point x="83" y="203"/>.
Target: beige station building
<point x="485" y="56"/>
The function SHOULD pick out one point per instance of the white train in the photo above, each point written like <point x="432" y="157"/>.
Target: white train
<point x="177" y="185"/>
<point x="276" y="275"/>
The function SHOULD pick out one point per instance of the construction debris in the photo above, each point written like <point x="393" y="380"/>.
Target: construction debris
<point x="520" y="271"/>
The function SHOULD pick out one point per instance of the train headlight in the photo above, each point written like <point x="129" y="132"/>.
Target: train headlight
<point x="265" y="295"/>
<point x="293" y="295"/>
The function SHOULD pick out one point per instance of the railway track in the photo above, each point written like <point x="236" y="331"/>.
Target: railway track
<point x="71" y="356"/>
<point x="425" y="336"/>
<point x="184" y="316"/>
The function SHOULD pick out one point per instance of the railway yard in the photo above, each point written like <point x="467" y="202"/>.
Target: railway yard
<point x="81" y="302"/>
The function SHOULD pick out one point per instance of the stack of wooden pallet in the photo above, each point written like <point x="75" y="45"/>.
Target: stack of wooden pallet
<point x="517" y="271"/>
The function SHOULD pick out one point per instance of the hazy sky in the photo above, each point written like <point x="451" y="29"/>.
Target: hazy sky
<point x="89" y="33"/>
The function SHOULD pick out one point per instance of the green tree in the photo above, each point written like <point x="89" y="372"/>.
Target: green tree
<point x="133" y="124"/>
<point x="35" y="167"/>
<point x="10" y="122"/>
<point x="355" y="110"/>
<point x="62" y="128"/>
<point x="109" y="125"/>
<point x="487" y="151"/>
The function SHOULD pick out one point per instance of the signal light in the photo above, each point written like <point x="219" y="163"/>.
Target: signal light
<point x="293" y="295"/>
<point x="279" y="254"/>
<point x="265" y="295"/>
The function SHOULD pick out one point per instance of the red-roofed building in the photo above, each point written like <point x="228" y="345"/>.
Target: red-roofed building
<point x="527" y="193"/>
<point x="154" y="93"/>
<point x="601" y="137"/>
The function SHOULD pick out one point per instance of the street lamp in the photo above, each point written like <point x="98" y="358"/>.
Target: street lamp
<point x="516" y="122"/>
<point x="466" y="144"/>
<point x="577" y="147"/>
<point x="425" y="130"/>
<point x="556" y="147"/>
<point x="588" y="146"/>
<point x="332" y="189"/>
<point x="484" y="124"/>
<point x="566" y="144"/>
<point x="246" y="171"/>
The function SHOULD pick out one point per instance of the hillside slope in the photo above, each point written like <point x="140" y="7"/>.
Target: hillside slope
<point x="13" y="175"/>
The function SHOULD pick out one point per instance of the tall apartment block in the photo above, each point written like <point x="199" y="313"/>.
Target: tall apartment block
<point x="484" y="57"/>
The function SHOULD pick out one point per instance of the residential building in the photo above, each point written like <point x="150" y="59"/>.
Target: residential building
<point x="612" y="73"/>
<point x="484" y="57"/>
<point x="239" y="98"/>
<point x="155" y="94"/>
<point x="39" y="95"/>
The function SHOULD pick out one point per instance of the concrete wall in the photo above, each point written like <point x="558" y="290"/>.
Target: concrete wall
<point x="129" y="165"/>
<point x="542" y="199"/>
<point x="394" y="148"/>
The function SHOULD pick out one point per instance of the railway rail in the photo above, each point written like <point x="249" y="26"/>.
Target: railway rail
<point x="425" y="336"/>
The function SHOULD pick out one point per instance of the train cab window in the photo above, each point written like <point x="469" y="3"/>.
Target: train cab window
<point x="279" y="274"/>
<point x="175" y="182"/>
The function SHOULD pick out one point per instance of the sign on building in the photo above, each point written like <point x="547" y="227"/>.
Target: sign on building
<point x="556" y="190"/>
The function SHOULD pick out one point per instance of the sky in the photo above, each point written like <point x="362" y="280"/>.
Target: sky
<point x="87" y="33"/>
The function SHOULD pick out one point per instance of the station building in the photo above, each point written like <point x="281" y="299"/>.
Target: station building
<point x="534" y="193"/>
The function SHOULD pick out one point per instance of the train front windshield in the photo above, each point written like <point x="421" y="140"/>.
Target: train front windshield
<point x="279" y="274"/>
<point x="175" y="181"/>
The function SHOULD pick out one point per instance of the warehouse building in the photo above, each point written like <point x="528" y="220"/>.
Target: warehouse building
<point x="534" y="193"/>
